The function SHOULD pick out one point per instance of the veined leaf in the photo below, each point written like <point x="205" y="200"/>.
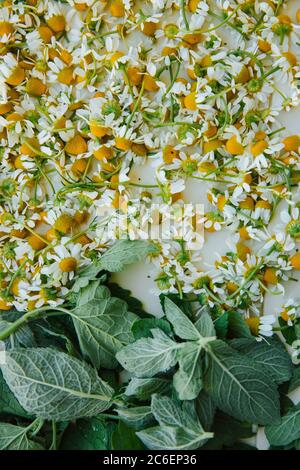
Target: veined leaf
<point x="143" y="389"/>
<point x="142" y="328"/>
<point x="206" y="409"/>
<point x="136" y="417"/>
<point x="94" y="290"/>
<point x="170" y="412"/>
<point x="179" y="426"/>
<point x="239" y="387"/>
<point x="52" y="385"/>
<point x="287" y="430"/>
<point x="183" y="327"/>
<point x="149" y="356"/>
<point x="86" y="275"/>
<point x="103" y="327"/>
<point x="115" y="259"/>
<point x="16" y="438"/>
<point x="271" y="354"/>
<point x="172" y="438"/>
<point x="188" y="379"/>
<point x="205" y="325"/>
<point x="8" y="402"/>
<point x="125" y="252"/>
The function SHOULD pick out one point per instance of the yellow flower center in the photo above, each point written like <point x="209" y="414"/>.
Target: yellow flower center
<point x="68" y="265"/>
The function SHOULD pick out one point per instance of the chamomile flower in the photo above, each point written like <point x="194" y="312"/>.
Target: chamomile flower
<point x="65" y="260"/>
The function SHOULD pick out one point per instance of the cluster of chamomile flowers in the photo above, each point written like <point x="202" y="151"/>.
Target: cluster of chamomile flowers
<point x="93" y="92"/>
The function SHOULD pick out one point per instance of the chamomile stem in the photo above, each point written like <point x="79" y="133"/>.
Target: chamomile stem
<point x="137" y="103"/>
<point x="29" y="316"/>
<point x="226" y="20"/>
<point x="247" y="280"/>
<point x="137" y="185"/>
<point x="183" y="12"/>
<point x="54" y="436"/>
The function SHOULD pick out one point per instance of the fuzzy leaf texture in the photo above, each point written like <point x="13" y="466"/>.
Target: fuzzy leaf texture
<point x="271" y="354"/>
<point x="179" y="427"/>
<point x="125" y="252"/>
<point x="183" y="327"/>
<point x="239" y="387"/>
<point x="8" y="402"/>
<point x="16" y="438"/>
<point x="143" y="389"/>
<point x="103" y="327"/>
<point x="137" y="418"/>
<point x="188" y="379"/>
<point x="149" y="356"/>
<point x="52" y="385"/>
<point x="115" y="259"/>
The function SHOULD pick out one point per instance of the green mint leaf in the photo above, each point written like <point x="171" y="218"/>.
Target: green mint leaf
<point x="16" y="438"/>
<point x="205" y="325"/>
<point x="270" y="354"/>
<point x="125" y="252"/>
<point x="172" y="438"/>
<point x="179" y="427"/>
<point x="115" y="259"/>
<point x="183" y="327"/>
<point x="287" y="430"/>
<point x="239" y="387"/>
<point x="87" y="274"/>
<point x="103" y="327"/>
<point x="52" y="385"/>
<point x="143" y="389"/>
<point x="221" y="325"/>
<point x="142" y="328"/>
<point x="188" y="379"/>
<point x="8" y="402"/>
<point x="149" y="356"/>
<point x="171" y="412"/>
<point x="137" y="418"/>
<point x="206" y="409"/>
<point x="94" y="290"/>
